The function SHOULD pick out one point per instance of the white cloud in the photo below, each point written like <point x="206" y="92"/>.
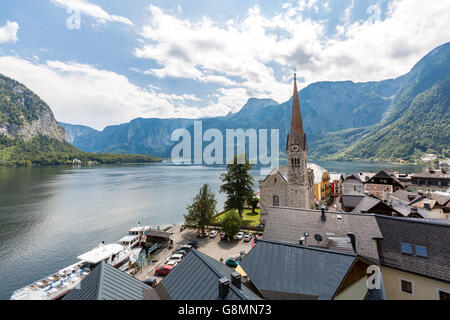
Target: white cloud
<point x="8" y="33"/>
<point x="92" y="10"/>
<point x="245" y="55"/>
<point x="81" y="94"/>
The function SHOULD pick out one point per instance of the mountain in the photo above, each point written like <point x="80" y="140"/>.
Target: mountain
<point x="418" y="122"/>
<point x="30" y="134"/>
<point x="24" y="115"/>
<point x="390" y="119"/>
<point x="75" y="131"/>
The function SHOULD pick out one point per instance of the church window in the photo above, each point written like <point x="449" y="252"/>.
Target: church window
<point x="276" y="201"/>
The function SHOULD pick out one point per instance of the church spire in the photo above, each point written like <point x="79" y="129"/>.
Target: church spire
<point x="296" y="133"/>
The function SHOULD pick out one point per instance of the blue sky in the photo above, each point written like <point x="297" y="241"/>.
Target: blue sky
<point x="199" y="58"/>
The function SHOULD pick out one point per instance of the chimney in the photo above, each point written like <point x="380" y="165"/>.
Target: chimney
<point x="236" y="279"/>
<point x="224" y="288"/>
<point x="301" y="241"/>
<point x="323" y="217"/>
<point x="353" y="240"/>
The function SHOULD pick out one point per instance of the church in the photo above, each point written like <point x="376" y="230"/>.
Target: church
<point x="291" y="185"/>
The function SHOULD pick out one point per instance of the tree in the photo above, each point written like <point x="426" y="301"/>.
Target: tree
<point x="253" y="202"/>
<point x="202" y="210"/>
<point x="231" y="223"/>
<point x="238" y="184"/>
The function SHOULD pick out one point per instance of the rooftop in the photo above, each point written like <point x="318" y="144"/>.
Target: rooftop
<point x="288" y="271"/>
<point x="289" y="224"/>
<point x="108" y="283"/>
<point x="196" y="277"/>
<point x="433" y="234"/>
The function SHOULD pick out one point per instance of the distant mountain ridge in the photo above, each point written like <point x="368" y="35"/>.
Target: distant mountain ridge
<point x="392" y="119"/>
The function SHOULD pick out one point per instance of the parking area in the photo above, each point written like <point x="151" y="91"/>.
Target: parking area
<point x="215" y="248"/>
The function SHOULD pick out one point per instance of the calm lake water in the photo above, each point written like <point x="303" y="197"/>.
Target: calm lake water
<point x="50" y="215"/>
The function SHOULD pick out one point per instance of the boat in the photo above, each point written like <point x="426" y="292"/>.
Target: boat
<point x="60" y="283"/>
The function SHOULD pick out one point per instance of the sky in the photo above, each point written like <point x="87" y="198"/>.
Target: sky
<point x="106" y="62"/>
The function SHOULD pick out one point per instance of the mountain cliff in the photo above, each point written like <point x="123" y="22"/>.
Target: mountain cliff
<point x="24" y="115"/>
<point x="390" y="119"/>
<point x="30" y="134"/>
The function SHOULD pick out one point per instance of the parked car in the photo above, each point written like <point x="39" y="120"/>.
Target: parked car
<point x="182" y="252"/>
<point x="233" y="262"/>
<point x="213" y="234"/>
<point x="248" y="237"/>
<point x="259" y="236"/>
<point x="185" y="247"/>
<point x="193" y="243"/>
<point x="239" y="236"/>
<point x="163" y="270"/>
<point x="202" y="235"/>
<point x="175" y="257"/>
<point x="151" y="282"/>
<point x="172" y="263"/>
<point x="223" y="236"/>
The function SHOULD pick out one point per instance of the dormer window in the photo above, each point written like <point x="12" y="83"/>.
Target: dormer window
<point x="421" y="251"/>
<point x="407" y="248"/>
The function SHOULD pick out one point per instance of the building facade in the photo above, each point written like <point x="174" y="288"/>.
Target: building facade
<point x="383" y="184"/>
<point x="291" y="185"/>
<point x="430" y="180"/>
<point x="336" y="180"/>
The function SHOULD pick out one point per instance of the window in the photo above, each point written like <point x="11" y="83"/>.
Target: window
<point x="444" y="296"/>
<point x="406" y="286"/>
<point x="406" y="248"/>
<point x="276" y="201"/>
<point x="275" y="180"/>
<point x="421" y="251"/>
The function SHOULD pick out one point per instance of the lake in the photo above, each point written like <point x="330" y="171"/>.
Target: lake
<point x="50" y="215"/>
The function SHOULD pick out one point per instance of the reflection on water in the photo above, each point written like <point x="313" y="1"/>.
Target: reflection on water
<point x="50" y="215"/>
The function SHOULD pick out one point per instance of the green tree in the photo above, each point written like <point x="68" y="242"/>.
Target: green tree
<point x="231" y="223"/>
<point x="238" y="184"/>
<point x="253" y="202"/>
<point x="202" y="209"/>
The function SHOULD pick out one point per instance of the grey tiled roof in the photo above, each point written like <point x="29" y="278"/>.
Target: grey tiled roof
<point x="289" y="271"/>
<point x="196" y="277"/>
<point x="404" y="196"/>
<point x="434" y="234"/>
<point x="351" y="200"/>
<point x="289" y="224"/>
<point x="108" y="283"/>
<point x="366" y="204"/>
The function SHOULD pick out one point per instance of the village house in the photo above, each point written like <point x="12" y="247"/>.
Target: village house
<point x="413" y="254"/>
<point x="382" y="184"/>
<point x="415" y="258"/>
<point x="355" y="182"/>
<point x="358" y="202"/>
<point x="307" y="276"/>
<point x="291" y="185"/>
<point x="336" y="180"/>
<point x="430" y="180"/>
<point x="322" y="186"/>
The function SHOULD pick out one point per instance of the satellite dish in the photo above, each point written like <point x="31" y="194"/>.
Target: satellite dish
<point x="318" y="237"/>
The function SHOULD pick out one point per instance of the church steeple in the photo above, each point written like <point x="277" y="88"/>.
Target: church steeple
<point x="296" y="134"/>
